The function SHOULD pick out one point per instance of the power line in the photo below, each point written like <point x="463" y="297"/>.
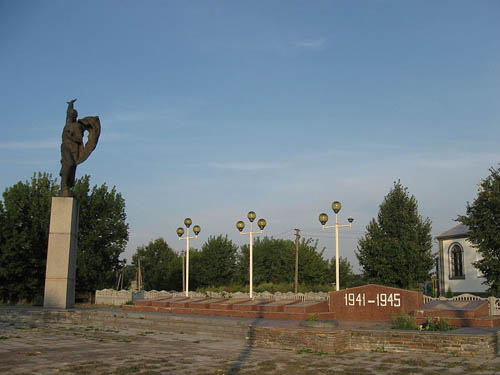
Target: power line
<point x="281" y="234"/>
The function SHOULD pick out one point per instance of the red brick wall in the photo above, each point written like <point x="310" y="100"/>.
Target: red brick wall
<point x="333" y="341"/>
<point x="373" y="302"/>
<point x="424" y="342"/>
<point x="281" y="338"/>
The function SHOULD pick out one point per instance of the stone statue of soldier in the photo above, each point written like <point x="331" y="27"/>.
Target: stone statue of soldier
<point x="73" y="149"/>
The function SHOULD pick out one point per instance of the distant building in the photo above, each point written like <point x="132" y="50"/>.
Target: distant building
<point x="455" y="267"/>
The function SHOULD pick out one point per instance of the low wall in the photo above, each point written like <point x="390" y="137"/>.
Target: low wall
<point x="485" y="346"/>
<point x="481" y="346"/>
<point x="112" y="297"/>
<point x="281" y="338"/>
<point x="324" y="340"/>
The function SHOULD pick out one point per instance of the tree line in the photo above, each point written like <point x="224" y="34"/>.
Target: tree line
<point x="220" y="263"/>
<point x="396" y="249"/>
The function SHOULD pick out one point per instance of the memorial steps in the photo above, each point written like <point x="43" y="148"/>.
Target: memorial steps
<point x="236" y="308"/>
<point x="458" y="313"/>
<point x="368" y="303"/>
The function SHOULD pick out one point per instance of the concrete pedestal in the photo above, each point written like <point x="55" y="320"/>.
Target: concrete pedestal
<point x="61" y="255"/>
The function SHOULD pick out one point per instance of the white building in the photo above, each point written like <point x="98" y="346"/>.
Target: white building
<point x="455" y="263"/>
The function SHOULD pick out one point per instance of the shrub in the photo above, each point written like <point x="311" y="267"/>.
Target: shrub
<point x="404" y="321"/>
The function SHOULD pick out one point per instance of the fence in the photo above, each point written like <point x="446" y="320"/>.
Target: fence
<point x="493" y="302"/>
<point x="311" y="296"/>
<point x="120" y="297"/>
<point x="112" y="297"/>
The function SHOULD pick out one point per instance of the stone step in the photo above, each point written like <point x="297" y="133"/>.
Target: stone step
<point x="251" y="312"/>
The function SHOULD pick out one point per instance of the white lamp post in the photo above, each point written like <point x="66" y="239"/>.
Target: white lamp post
<point x="323" y="218"/>
<point x="241" y="225"/>
<point x="180" y="232"/>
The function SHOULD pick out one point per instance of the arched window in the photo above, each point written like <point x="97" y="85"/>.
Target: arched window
<point x="456" y="261"/>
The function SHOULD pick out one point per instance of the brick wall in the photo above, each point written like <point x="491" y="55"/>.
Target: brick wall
<point x="281" y="338"/>
<point x="482" y="346"/>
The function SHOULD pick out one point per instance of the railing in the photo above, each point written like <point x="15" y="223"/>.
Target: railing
<point x="155" y="294"/>
<point x="493" y="302"/>
<point x="466" y="297"/>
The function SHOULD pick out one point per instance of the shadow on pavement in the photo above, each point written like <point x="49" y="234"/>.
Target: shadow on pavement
<point x="245" y="354"/>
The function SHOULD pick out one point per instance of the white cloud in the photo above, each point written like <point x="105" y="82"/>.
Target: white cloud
<point x="315" y="44"/>
<point x="248" y="166"/>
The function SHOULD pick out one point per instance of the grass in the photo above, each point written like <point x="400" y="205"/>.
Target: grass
<point x="310" y="351"/>
<point x="313" y="318"/>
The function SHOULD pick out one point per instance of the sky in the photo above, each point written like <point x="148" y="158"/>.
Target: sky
<point x="210" y="109"/>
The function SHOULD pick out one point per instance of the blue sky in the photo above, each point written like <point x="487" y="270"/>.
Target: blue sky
<point x="210" y="109"/>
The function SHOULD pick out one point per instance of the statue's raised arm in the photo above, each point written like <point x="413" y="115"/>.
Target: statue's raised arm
<point x="73" y="151"/>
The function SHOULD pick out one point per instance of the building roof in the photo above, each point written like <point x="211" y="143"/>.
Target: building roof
<point x="458" y="231"/>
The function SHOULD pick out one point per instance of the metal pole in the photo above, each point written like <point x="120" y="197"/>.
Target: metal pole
<point x="251" y="260"/>
<point x="296" y="280"/>
<point x="337" y="272"/>
<point x="183" y="259"/>
<point x="187" y="263"/>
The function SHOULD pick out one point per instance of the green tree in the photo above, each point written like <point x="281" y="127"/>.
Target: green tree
<point x="274" y="262"/>
<point x="161" y="266"/>
<point x="217" y="261"/>
<point x="313" y="268"/>
<point x="196" y="271"/>
<point x="102" y="235"/>
<point x="346" y="274"/>
<point x="24" y="218"/>
<point x="396" y="249"/>
<point x="483" y="219"/>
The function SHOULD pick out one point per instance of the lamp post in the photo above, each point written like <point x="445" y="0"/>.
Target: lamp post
<point x="180" y="232"/>
<point x="323" y="218"/>
<point x="241" y="225"/>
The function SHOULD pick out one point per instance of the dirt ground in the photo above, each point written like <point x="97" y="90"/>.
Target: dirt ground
<point x="50" y="349"/>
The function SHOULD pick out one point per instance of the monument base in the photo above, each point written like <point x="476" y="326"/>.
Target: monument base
<point x="61" y="254"/>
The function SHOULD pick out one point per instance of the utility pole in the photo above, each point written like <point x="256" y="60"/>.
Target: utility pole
<point x="119" y="284"/>
<point x="296" y="282"/>
<point x="139" y="274"/>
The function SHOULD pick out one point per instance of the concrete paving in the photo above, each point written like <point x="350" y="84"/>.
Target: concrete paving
<point x="44" y="348"/>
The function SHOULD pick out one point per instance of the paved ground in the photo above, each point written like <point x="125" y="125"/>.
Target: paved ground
<point x="50" y="349"/>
